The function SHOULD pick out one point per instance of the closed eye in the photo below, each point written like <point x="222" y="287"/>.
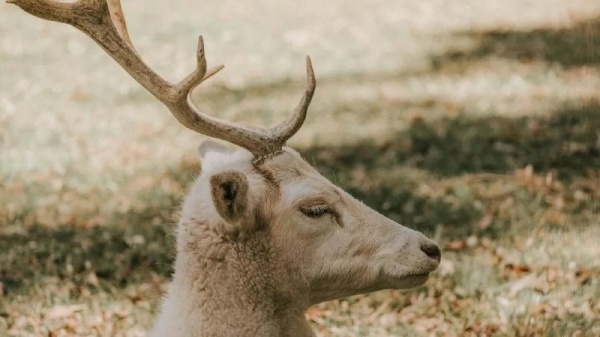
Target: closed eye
<point x="315" y="211"/>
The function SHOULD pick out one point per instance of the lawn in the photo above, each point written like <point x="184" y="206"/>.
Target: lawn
<point x="476" y="122"/>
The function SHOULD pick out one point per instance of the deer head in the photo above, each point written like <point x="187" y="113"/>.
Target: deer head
<point x="334" y="245"/>
<point x="329" y="244"/>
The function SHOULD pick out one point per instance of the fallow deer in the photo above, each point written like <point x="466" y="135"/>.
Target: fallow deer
<point x="262" y="235"/>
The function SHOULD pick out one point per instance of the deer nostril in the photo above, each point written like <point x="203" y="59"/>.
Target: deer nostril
<point x="432" y="250"/>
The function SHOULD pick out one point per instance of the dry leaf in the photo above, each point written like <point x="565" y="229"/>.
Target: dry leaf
<point x="582" y="276"/>
<point x="63" y="311"/>
<point x="446" y="268"/>
<point x="456" y="245"/>
<point x="517" y="269"/>
<point x="92" y="279"/>
<point x="135" y="298"/>
<point x="471" y="241"/>
<point x="529" y="281"/>
<point x="485" y="221"/>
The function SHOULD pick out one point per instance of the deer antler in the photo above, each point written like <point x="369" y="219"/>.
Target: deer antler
<point x="104" y="22"/>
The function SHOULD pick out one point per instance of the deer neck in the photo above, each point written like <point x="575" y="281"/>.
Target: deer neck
<point x="238" y="288"/>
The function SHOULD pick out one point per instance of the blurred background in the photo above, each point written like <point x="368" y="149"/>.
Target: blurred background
<point x="476" y="122"/>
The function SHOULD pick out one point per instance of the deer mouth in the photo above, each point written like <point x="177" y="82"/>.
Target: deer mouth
<point x="415" y="280"/>
<point x="400" y="278"/>
<point x="408" y="281"/>
<point x="385" y="280"/>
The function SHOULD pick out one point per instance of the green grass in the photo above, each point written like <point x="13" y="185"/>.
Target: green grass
<point x="478" y="127"/>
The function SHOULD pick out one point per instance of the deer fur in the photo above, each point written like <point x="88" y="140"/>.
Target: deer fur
<point x="249" y="262"/>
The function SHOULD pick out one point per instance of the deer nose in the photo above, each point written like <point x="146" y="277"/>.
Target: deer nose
<point x="432" y="250"/>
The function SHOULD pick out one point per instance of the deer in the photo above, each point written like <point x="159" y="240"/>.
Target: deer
<point x="262" y="235"/>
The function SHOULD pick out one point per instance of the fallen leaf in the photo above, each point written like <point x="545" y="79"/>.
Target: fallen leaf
<point x="135" y="298"/>
<point x="485" y="221"/>
<point x="471" y="241"/>
<point x="62" y="311"/>
<point x="582" y="276"/>
<point x="446" y="268"/>
<point x="456" y="245"/>
<point x="517" y="269"/>
<point x="92" y="279"/>
<point x="529" y="281"/>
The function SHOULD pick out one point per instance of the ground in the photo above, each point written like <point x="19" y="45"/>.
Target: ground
<point x="476" y="122"/>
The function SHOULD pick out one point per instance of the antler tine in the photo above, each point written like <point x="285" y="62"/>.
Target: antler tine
<point x="288" y="128"/>
<point x="199" y="75"/>
<point x="104" y="22"/>
<point x="118" y="20"/>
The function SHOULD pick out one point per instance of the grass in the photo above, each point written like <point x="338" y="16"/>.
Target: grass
<point x="478" y="127"/>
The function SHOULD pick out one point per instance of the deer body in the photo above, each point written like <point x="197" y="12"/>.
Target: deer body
<point x="262" y="235"/>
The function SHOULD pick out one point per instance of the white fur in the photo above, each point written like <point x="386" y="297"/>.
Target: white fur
<point x="260" y="283"/>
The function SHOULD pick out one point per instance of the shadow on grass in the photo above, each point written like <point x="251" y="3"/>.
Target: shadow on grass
<point x="128" y="248"/>
<point x="566" y="142"/>
<point x="120" y="255"/>
<point x="578" y="45"/>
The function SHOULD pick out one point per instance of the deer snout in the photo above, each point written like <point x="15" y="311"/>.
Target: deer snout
<point x="432" y="250"/>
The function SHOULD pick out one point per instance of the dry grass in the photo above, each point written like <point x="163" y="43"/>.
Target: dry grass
<point x="476" y="122"/>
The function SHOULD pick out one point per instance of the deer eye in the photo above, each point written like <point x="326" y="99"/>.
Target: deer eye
<point x="315" y="211"/>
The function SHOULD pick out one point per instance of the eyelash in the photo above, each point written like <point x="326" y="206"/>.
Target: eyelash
<point x="315" y="211"/>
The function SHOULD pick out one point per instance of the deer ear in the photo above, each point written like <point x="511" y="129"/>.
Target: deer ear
<point x="229" y="191"/>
